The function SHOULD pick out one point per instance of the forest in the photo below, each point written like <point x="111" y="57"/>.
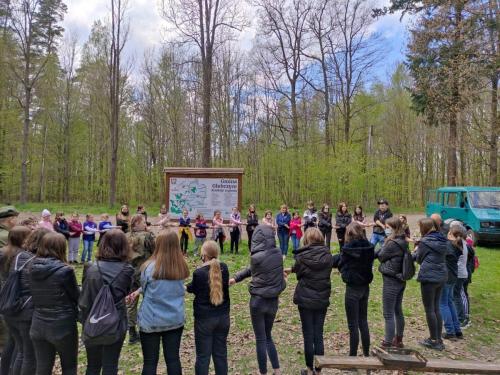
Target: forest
<point x="300" y="112"/>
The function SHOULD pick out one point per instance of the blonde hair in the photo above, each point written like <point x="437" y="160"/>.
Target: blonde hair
<point x="169" y="263"/>
<point x="211" y="251"/>
<point x="313" y="235"/>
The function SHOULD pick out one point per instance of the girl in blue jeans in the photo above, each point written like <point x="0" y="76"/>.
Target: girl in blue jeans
<point x="89" y="231"/>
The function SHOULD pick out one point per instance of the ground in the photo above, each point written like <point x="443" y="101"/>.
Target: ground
<point x="482" y="338"/>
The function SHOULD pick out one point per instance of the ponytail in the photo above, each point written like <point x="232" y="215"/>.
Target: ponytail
<point x="215" y="282"/>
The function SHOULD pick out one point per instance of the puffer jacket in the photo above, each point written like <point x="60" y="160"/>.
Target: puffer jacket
<point x="266" y="265"/>
<point x="325" y="222"/>
<point x="342" y="220"/>
<point x="55" y="299"/>
<point x="355" y="262"/>
<point x="391" y="257"/>
<point x="431" y="254"/>
<point x="62" y="227"/>
<point x="452" y="256"/>
<point x="313" y="266"/>
<point x="115" y="273"/>
<point x="24" y="262"/>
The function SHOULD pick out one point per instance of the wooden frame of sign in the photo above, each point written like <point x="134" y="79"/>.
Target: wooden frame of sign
<point x="204" y="173"/>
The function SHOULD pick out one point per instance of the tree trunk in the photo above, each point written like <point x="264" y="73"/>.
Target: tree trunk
<point x="207" y="104"/>
<point x="26" y="133"/>
<point x="494" y="132"/>
<point x="42" y="165"/>
<point x="452" y="150"/>
<point x="295" y="119"/>
<point x="347" y="120"/>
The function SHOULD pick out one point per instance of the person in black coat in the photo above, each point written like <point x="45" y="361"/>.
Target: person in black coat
<point x="211" y="306"/>
<point x="61" y="225"/>
<point x="111" y="266"/>
<point x="252" y="222"/>
<point x="433" y="274"/>
<point x="391" y="256"/>
<point x="13" y="258"/>
<point x="55" y="298"/>
<point x="266" y="270"/>
<point x="325" y="224"/>
<point x="342" y="220"/>
<point x="355" y="263"/>
<point x="313" y="266"/>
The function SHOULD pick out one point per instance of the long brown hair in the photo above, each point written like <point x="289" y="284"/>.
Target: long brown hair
<point x="169" y="263"/>
<point x="210" y="250"/>
<point x="397" y="227"/>
<point x="459" y="234"/>
<point x="426" y="225"/>
<point x="313" y="236"/>
<point x="32" y="243"/>
<point x="114" y="245"/>
<point x="15" y="241"/>
<point x="52" y="245"/>
<point x="354" y="232"/>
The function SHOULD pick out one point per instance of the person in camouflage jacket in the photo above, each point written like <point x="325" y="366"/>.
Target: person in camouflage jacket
<point x="142" y="244"/>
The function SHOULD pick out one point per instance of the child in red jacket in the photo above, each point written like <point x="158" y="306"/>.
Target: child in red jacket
<point x="75" y="231"/>
<point x="295" y="230"/>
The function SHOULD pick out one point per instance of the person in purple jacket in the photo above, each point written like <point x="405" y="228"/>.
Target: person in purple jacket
<point x="89" y="231"/>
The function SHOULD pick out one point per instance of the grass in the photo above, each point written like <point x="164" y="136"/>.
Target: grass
<point x="482" y="338"/>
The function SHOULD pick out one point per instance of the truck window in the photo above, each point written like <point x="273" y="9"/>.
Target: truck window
<point x="451" y="200"/>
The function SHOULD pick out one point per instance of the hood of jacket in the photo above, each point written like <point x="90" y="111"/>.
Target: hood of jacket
<point x="43" y="268"/>
<point x="315" y="256"/>
<point x="263" y="239"/>
<point x="357" y="248"/>
<point x="436" y="241"/>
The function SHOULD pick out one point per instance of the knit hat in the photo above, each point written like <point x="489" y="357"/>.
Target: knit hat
<point x="46" y="213"/>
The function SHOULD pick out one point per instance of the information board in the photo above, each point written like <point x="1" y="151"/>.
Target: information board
<point x="203" y="190"/>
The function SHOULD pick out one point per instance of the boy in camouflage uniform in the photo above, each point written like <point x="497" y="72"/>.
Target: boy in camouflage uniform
<point x="142" y="244"/>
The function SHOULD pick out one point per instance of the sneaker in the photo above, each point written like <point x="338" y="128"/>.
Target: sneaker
<point x="465" y="324"/>
<point x="133" y="336"/>
<point x="449" y="336"/>
<point x="384" y="344"/>
<point x="459" y="336"/>
<point x="432" y="344"/>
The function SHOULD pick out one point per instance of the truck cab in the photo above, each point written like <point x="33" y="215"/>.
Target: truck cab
<point x="478" y="208"/>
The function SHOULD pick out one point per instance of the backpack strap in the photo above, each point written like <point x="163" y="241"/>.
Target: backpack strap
<point x="398" y="245"/>
<point x="102" y="277"/>
<point x="24" y="265"/>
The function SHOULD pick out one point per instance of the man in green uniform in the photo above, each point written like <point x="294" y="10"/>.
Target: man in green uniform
<point x="142" y="244"/>
<point x="8" y="219"/>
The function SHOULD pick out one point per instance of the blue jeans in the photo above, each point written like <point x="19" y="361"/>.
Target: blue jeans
<point x="295" y="242"/>
<point x="283" y="237"/>
<point x="448" y="310"/>
<point x="377" y="238"/>
<point x="88" y="245"/>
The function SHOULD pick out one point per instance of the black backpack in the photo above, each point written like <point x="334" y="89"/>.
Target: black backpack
<point x="103" y="322"/>
<point x="408" y="268"/>
<point x="10" y="295"/>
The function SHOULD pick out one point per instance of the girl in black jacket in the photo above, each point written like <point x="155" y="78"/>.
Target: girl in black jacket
<point x="391" y="257"/>
<point x="266" y="270"/>
<point x="433" y="273"/>
<point x="210" y="286"/>
<point x="325" y="224"/>
<point x="342" y="220"/>
<point x="112" y="267"/>
<point x="355" y="263"/>
<point x="55" y="299"/>
<point x="252" y="222"/>
<point x="313" y="266"/>
<point x="12" y="258"/>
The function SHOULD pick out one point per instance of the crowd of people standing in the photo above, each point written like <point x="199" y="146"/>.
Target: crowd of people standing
<point x="41" y="315"/>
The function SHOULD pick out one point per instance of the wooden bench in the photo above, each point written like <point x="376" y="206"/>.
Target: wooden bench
<point x="445" y="366"/>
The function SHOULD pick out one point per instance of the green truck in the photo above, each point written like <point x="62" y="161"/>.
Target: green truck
<point x="478" y="208"/>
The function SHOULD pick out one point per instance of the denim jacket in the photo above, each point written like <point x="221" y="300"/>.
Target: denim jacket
<point x="162" y="307"/>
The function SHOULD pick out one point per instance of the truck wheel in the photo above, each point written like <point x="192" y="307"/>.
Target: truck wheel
<point x="472" y="235"/>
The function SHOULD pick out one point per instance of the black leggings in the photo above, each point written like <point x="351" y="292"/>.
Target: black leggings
<point x="250" y="234"/>
<point x="171" y="342"/>
<point x="262" y="323"/>
<point x="104" y="357"/>
<point x="184" y="242"/>
<point x="356" y="308"/>
<point x="220" y="239"/>
<point x="8" y="352"/>
<point x="312" y="331"/>
<point x="23" y="362"/>
<point x="431" y="294"/>
<point x="235" y="239"/>
<point x="341" y="237"/>
<point x="46" y="350"/>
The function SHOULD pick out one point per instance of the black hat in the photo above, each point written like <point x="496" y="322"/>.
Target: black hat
<point x="383" y="201"/>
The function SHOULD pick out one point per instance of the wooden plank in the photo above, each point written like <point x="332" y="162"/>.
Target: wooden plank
<point x="445" y="366"/>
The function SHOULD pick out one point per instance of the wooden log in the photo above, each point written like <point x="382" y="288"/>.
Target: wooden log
<point x="445" y="366"/>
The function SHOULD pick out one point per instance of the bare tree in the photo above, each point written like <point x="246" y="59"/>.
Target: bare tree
<point x="119" y="35"/>
<point x="356" y="49"/>
<point x="283" y="27"/>
<point x="35" y="25"/>
<point x="203" y="22"/>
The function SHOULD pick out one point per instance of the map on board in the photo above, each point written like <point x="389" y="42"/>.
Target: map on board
<point x="202" y="195"/>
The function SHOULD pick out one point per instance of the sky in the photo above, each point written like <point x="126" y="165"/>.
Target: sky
<point x="148" y="30"/>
